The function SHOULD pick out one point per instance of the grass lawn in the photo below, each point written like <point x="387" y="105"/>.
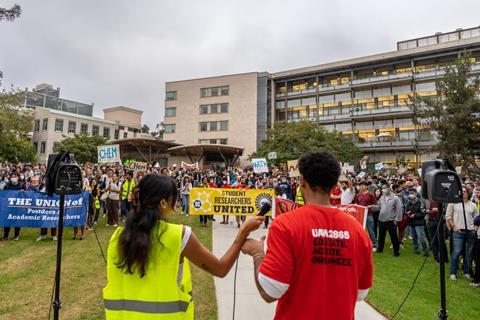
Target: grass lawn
<point x="27" y="271"/>
<point x="393" y="278"/>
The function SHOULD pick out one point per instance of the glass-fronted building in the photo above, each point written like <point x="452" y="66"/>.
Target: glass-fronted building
<point x="45" y="96"/>
<point x="367" y="99"/>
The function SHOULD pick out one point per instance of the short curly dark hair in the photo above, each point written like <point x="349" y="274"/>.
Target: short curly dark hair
<point x="320" y="169"/>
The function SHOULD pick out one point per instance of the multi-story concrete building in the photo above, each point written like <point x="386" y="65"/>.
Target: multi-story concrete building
<point x="366" y="98"/>
<point x="56" y="118"/>
<point x="229" y="110"/>
<point x="128" y="121"/>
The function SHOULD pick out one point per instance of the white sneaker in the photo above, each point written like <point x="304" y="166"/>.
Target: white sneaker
<point x="115" y="225"/>
<point x="16" y="238"/>
<point x="41" y="238"/>
<point x="467" y="276"/>
<point x="54" y="238"/>
<point x="374" y="249"/>
<point x="107" y="225"/>
<point x="391" y="246"/>
<point x="453" y="277"/>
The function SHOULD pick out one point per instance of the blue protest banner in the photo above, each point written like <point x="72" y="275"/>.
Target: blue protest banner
<point x="32" y="209"/>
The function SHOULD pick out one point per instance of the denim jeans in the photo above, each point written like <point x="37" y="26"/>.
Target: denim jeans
<point x="185" y="203"/>
<point x="419" y="233"/>
<point x="459" y="238"/>
<point x="371" y="231"/>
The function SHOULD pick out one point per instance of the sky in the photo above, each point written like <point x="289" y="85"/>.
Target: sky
<point x="118" y="52"/>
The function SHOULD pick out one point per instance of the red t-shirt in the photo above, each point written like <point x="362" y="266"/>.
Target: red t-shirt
<point x="325" y="257"/>
<point x="336" y="192"/>
<point x="366" y="200"/>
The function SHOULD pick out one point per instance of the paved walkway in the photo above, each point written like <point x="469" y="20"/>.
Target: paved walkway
<point x="249" y="304"/>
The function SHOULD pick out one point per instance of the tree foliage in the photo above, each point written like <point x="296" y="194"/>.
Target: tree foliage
<point x="15" y="127"/>
<point x="145" y="129"/>
<point x="84" y="147"/>
<point x="453" y="113"/>
<point x="291" y="139"/>
<point x="10" y="14"/>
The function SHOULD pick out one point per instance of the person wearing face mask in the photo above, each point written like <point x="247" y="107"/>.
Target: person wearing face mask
<point x="14" y="184"/>
<point x="416" y="213"/>
<point x="287" y="189"/>
<point x="391" y="213"/>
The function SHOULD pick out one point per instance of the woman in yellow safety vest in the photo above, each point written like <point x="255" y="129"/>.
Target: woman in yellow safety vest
<point x="148" y="269"/>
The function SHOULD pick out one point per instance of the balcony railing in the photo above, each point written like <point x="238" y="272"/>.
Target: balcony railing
<point x="382" y="78"/>
<point x="330" y="117"/>
<point x="366" y="112"/>
<point x="396" y="143"/>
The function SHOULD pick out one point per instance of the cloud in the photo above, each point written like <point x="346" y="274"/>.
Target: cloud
<point x="118" y="52"/>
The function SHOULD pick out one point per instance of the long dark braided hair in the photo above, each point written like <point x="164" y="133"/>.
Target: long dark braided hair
<point x="135" y="240"/>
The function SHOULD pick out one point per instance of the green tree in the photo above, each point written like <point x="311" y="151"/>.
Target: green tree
<point x="145" y="129"/>
<point x="15" y="127"/>
<point x="452" y="114"/>
<point x="84" y="147"/>
<point x="290" y="139"/>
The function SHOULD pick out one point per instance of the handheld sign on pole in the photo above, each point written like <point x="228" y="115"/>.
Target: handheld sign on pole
<point x="109" y="153"/>
<point x="260" y="165"/>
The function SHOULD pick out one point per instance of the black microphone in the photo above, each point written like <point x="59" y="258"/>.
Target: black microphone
<point x="267" y="206"/>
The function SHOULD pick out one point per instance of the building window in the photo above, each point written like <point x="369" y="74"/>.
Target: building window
<point x="204" y="92"/>
<point x="35" y="146"/>
<point x="59" y="125"/>
<point x="37" y="126"/>
<point x="213" y="126"/>
<point x="72" y="126"/>
<point x="116" y="134"/>
<point x="214" y="108"/>
<point x="45" y="124"/>
<point x="43" y="147"/>
<point x="224" y="91"/>
<point x="224" y="108"/>
<point x="95" y="130"/>
<point x="203" y="126"/>
<point x="213" y="141"/>
<point x="170" y="112"/>
<point x="223" y="125"/>
<point x="125" y="135"/>
<point x="204" y="109"/>
<point x="84" y="128"/>
<point x="203" y="141"/>
<point x="171" y="96"/>
<point x="214" y="91"/>
<point x="169" y="128"/>
<point x="223" y="141"/>
<point x="106" y="132"/>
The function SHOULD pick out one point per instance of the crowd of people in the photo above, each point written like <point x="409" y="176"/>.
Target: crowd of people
<point x="394" y="201"/>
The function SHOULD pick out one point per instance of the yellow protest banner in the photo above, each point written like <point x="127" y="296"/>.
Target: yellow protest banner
<point x="234" y="202"/>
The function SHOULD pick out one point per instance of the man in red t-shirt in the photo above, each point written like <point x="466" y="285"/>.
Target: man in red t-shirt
<point x="318" y="262"/>
<point x="367" y="199"/>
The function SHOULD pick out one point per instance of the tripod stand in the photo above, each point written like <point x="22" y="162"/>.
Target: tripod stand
<point x="57" y="304"/>
<point x="442" y="314"/>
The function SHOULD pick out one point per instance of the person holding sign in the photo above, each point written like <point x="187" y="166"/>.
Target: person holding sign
<point x="148" y="268"/>
<point x="319" y="260"/>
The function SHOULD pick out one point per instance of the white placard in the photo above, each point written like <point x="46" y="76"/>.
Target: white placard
<point x="260" y="165"/>
<point x="109" y="153"/>
<point x="378" y="166"/>
<point x="272" y="155"/>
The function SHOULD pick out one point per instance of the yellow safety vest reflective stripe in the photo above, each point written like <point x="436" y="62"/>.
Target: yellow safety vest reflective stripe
<point x="156" y="296"/>
<point x="299" y="196"/>
<point x="127" y="190"/>
<point x="96" y="202"/>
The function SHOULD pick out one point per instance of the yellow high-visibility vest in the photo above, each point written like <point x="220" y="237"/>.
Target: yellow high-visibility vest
<point x="156" y="296"/>
<point x="127" y="188"/>
<point x="299" y="196"/>
<point x="96" y="202"/>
